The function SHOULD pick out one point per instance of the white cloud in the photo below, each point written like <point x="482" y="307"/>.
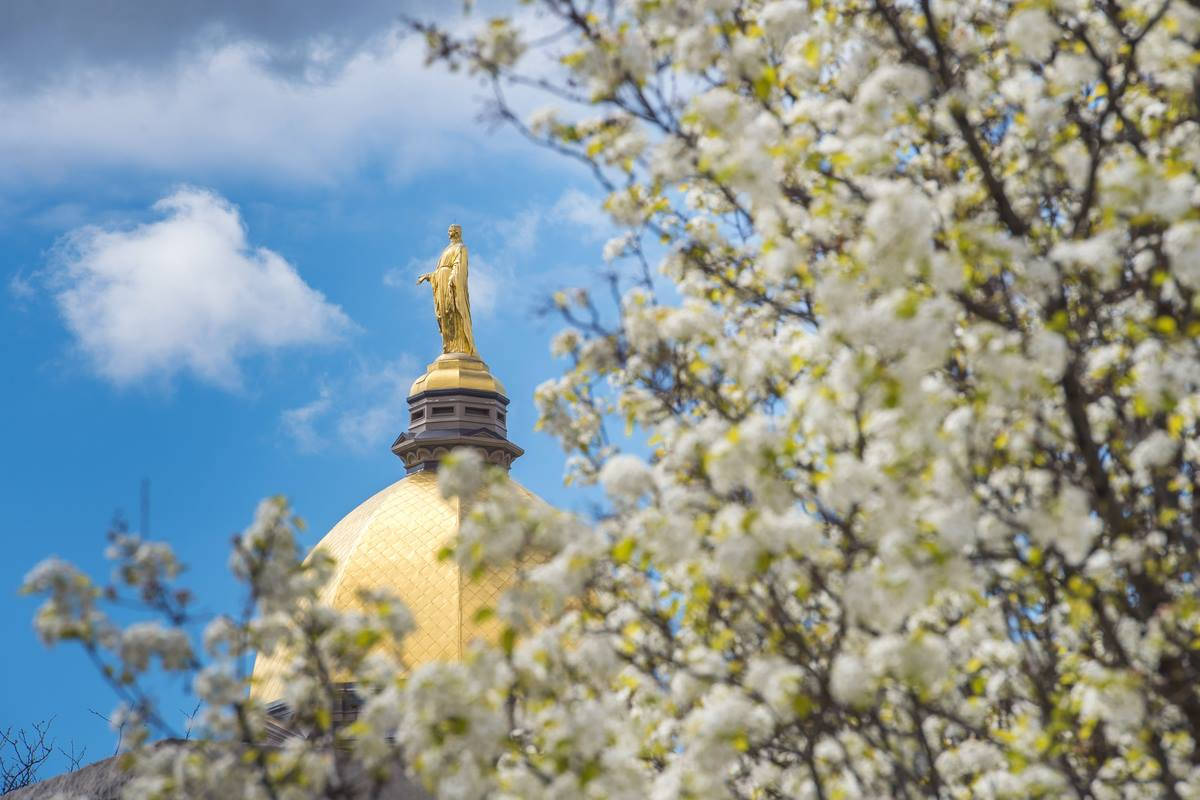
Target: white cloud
<point x="43" y="40"/>
<point x="402" y="277"/>
<point x="585" y="211"/>
<point x="184" y="294"/>
<point x="519" y="234"/>
<point x="226" y="110"/>
<point x="300" y="424"/>
<point x="517" y="238"/>
<point x="363" y="412"/>
<point x="486" y="282"/>
<point x="21" y="287"/>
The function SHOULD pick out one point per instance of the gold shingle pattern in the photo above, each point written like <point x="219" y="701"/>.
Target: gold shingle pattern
<point x="391" y="542"/>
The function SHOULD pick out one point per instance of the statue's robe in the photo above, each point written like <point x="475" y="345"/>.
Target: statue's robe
<point x="451" y="302"/>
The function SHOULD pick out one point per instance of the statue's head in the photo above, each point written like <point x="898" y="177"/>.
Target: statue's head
<point x="455" y="232"/>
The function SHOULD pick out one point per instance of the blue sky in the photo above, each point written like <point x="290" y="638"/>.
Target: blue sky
<point x="211" y="222"/>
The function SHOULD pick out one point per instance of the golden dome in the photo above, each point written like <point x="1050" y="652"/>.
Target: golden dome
<point x="391" y="542"/>
<point x="457" y="371"/>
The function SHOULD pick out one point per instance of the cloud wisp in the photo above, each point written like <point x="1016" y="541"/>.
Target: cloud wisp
<point x="359" y="412"/>
<point x="185" y="294"/>
<point x="585" y="211"/>
<point x="20" y="287"/>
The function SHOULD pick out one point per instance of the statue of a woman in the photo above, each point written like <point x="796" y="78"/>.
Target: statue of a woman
<point x="451" y="303"/>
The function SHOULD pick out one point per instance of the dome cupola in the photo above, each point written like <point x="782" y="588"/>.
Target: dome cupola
<point x="456" y="403"/>
<point x="392" y="540"/>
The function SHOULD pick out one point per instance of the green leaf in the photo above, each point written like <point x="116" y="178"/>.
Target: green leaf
<point x="508" y="640"/>
<point x="623" y="549"/>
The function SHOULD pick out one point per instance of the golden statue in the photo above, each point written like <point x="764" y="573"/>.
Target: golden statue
<point x="451" y="303"/>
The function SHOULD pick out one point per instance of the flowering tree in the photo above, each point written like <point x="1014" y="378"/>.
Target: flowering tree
<point x="922" y="395"/>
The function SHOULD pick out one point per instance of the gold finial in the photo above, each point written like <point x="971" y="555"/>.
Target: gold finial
<point x="451" y="303"/>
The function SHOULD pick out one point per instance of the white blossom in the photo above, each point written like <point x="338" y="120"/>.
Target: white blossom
<point x="1156" y="450"/>
<point x="1032" y="33"/>
<point x="461" y="473"/>
<point x="626" y="477"/>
